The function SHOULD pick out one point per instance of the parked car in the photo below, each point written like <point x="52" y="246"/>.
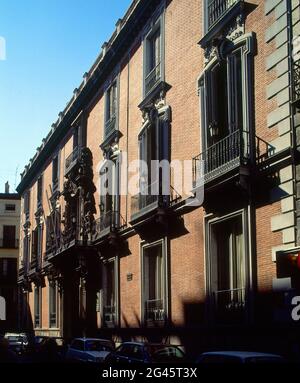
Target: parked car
<point x="17" y="342"/>
<point x="142" y="352"/>
<point x="54" y="347"/>
<point x="238" y="357"/>
<point x="91" y="350"/>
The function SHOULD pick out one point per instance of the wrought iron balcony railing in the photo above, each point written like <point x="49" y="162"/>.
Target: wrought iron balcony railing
<point x="230" y="305"/>
<point x="154" y="310"/>
<point x="151" y="195"/>
<point x="110" y="127"/>
<point x="111" y="220"/>
<point x="7" y="243"/>
<point x="152" y="78"/>
<point x="216" y="10"/>
<point x="227" y="154"/>
<point x="296" y="81"/>
<point x="72" y="160"/>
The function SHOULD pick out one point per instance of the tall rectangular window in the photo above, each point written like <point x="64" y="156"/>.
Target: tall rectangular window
<point x="52" y="305"/>
<point x="111" y="109"/>
<point x="10" y="207"/>
<point x="224" y="98"/>
<point x="55" y="173"/>
<point x="37" y="306"/>
<point x="39" y="191"/>
<point x="227" y="264"/>
<point x="9" y="236"/>
<point x="154" y="283"/>
<point x="27" y="203"/>
<point x="153" y="58"/>
<point x="110" y="293"/>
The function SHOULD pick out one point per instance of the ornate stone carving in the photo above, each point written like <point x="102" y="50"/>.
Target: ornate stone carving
<point x="78" y="193"/>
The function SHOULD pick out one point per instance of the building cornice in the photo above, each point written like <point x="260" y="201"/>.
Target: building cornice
<point x="126" y="31"/>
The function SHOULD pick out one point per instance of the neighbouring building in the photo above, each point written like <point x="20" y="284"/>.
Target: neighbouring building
<point x="9" y="254"/>
<point x="215" y="83"/>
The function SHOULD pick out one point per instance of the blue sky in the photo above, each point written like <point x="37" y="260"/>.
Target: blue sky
<point x="49" y="45"/>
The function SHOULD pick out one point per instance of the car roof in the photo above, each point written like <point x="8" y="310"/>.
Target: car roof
<point x="150" y="344"/>
<point x="88" y="339"/>
<point x="241" y="354"/>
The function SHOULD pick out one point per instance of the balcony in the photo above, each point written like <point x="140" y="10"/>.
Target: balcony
<point x="228" y="155"/>
<point x="72" y="160"/>
<point x="8" y="243"/>
<point x="218" y="13"/>
<point x="152" y="78"/>
<point x="154" y="312"/>
<point x="110" y="222"/>
<point x="296" y="82"/>
<point x="230" y="305"/>
<point x="150" y="199"/>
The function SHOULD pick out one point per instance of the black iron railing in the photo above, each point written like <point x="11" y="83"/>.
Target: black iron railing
<point x="148" y="196"/>
<point x="152" y="194"/>
<point x="152" y="78"/>
<point x="216" y="9"/>
<point x="112" y="220"/>
<point x="154" y="310"/>
<point x="296" y="80"/>
<point x="220" y="157"/>
<point x="9" y="243"/>
<point x="230" y="305"/>
<point x="110" y="126"/>
<point x="263" y="150"/>
<point x="71" y="160"/>
<point x="227" y="154"/>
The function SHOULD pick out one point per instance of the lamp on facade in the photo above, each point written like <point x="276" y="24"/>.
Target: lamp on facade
<point x="213" y="130"/>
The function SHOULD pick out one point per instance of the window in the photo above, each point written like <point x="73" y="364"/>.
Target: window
<point x="27" y="203"/>
<point x="224" y="98"/>
<point x="55" y="173"/>
<point x="52" y="305"/>
<point x="36" y="245"/>
<point x="153" y="148"/>
<point x="9" y="237"/>
<point x="10" y="207"/>
<point x="227" y="262"/>
<point x="77" y="345"/>
<point x="109" y="194"/>
<point x="226" y="88"/>
<point x="75" y="137"/>
<point x="26" y="248"/>
<point x="53" y="230"/>
<point x="109" y="293"/>
<point x="153" y="58"/>
<point x="37" y="306"/>
<point x="111" y="109"/>
<point x="215" y="10"/>
<point x="39" y="191"/>
<point x="4" y="267"/>
<point x="154" y="281"/>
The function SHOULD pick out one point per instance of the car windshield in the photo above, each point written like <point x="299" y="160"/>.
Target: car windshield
<point x="94" y="345"/>
<point x="165" y="353"/>
<point x="16" y="338"/>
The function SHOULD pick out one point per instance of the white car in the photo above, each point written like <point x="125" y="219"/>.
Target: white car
<point x="92" y="350"/>
<point x="238" y="357"/>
